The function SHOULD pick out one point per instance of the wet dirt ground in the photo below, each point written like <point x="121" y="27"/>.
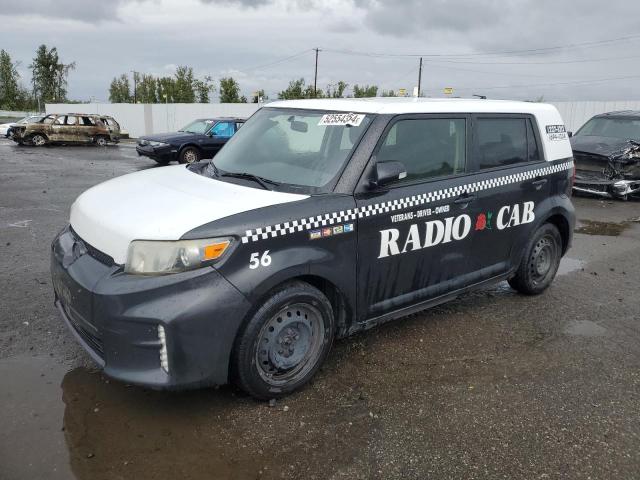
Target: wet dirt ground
<point x="492" y="385"/>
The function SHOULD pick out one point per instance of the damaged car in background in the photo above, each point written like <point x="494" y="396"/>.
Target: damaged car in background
<point x="607" y="155"/>
<point x="68" y="128"/>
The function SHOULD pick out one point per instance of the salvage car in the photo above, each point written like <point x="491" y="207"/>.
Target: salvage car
<point x="6" y="129"/>
<point x="607" y="155"/>
<point x="318" y="219"/>
<point x="202" y="138"/>
<point x="64" y="128"/>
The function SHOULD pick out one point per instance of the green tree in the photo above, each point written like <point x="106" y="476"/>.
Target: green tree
<point x="10" y="90"/>
<point x="49" y="75"/>
<point x="147" y="89"/>
<point x="184" y="92"/>
<point x="166" y="89"/>
<point x="120" y="90"/>
<point x="388" y="93"/>
<point x="230" y="91"/>
<point x="338" y="91"/>
<point x="299" y="89"/>
<point x="203" y="88"/>
<point x="365" y="91"/>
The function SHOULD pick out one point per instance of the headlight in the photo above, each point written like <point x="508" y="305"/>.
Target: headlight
<point x="158" y="144"/>
<point x="151" y="257"/>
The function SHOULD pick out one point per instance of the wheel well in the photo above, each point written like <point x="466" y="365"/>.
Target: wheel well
<point x="341" y="310"/>
<point x="561" y="223"/>
<point x="190" y="145"/>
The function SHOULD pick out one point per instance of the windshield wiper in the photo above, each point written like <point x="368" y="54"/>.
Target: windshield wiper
<point x="250" y="176"/>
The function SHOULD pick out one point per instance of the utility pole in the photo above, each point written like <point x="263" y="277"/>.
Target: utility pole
<point x="135" y="86"/>
<point x="420" y="77"/>
<point x="315" y="77"/>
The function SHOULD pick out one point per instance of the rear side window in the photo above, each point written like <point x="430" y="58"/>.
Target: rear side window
<point x="428" y="148"/>
<point x="70" y="120"/>
<point x="223" y="129"/>
<point x="88" y="121"/>
<point x="505" y="141"/>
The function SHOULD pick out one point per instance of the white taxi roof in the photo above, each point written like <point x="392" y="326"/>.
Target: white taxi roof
<point x="547" y="116"/>
<point x="394" y="105"/>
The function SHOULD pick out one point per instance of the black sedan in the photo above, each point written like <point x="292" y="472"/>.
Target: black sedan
<point x="607" y="155"/>
<point x="202" y="138"/>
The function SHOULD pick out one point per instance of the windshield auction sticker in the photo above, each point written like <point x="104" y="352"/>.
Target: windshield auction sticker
<point x="343" y="119"/>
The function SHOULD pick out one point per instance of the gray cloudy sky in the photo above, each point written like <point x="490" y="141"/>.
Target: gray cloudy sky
<point x="248" y="39"/>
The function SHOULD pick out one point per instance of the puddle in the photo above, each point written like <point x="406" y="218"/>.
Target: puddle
<point x="585" y="328"/>
<point x="591" y="227"/>
<point x="32" y="443"/>
<point x="56" y="424"/>
<point x="568" y="265"/>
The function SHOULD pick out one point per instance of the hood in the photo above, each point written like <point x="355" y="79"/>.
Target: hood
<point x="598" y="145"/>
<point x="171" y="137"/>
<point x="160" y="204"/>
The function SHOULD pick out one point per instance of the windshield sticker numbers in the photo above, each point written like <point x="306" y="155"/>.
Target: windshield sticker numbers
<point x="556" y="132"/>
<point x="257" y="260"/>
<point x="425" y="212"/>
<point x="341" y="119"/>
<point x="330" y="231"/>
<point x="436" y="232"/>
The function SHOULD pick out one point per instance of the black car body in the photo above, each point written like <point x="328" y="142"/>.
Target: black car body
<point x="320" y="222"/>
<point x="202" y="138"/>
<point x="607" y="155"/>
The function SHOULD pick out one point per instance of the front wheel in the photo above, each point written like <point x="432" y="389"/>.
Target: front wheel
<point x="38" y="140"/>
<point x="189" y="155"/>
<point x="284" y="343"/>
<point x="540" y="261"/>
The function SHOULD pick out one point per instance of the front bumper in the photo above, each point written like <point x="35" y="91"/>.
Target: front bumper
<point x="115" y="317"/>
<point x="161" y="154"/>
<point x="606" y="188"/>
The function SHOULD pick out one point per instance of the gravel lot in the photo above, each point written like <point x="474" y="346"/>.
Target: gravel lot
<point x="493" y="385"/>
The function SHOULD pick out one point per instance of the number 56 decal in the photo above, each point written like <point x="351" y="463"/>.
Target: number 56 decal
<point x="256" y="260"/>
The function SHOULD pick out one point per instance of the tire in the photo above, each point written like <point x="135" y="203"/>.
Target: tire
<point x="38" y="140"/>
<point x="101" y="141"/>
<point x="189" y="155"/>
<point x="284" y="343"/>
<point x="540" y="262"/>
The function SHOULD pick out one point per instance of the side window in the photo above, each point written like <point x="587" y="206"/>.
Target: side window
<point x="428" y="148"/>
<point x="502" y="141"/>
<point x="533" y="149"/>
<point x="223" y="129"/>
<point x="88" y="121"/>
<point x="70" y="120"/>
<point x="59" y="121"/>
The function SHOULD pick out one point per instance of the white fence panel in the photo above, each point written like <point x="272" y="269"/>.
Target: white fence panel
<point x="146" y="119"/>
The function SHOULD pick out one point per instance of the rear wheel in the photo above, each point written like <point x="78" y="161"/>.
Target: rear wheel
<point x="189" y="155"/>
<point x="540" y="262"/>
<point x="101" y="141"/>
<point x="38" y="140"/>
<point x="283" y="345"/>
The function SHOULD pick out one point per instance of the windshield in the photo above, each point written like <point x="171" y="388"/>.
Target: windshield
<point x="305" y="148"/>
<point x="624" y="128"/>
<point x="198" y="126"/>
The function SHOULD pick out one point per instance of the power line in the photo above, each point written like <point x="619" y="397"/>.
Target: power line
<point x="553" y="84"/>
<point x="276" y="62"/>
<point x="550" y="62"/>
<point x="480" y="54"/>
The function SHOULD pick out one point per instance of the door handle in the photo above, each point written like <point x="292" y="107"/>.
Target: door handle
<point x="465" y="199"/>
<point x="539" y="183"/>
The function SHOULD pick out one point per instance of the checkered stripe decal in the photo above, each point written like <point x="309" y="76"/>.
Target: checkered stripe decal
<point x="281" y="229"/>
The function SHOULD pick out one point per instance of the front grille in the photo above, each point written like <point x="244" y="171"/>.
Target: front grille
<point x="91" y="338"/>
<point x="94" y="252"/>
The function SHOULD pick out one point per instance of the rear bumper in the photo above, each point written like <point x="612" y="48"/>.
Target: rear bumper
<point x="115" y="317"/>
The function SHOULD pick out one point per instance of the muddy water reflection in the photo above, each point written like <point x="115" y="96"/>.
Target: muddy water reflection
<point x="115" y="431"/>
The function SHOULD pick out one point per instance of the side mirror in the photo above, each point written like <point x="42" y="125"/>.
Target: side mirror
<point x="387" y="172"/>
<point x="570" y="134"/>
